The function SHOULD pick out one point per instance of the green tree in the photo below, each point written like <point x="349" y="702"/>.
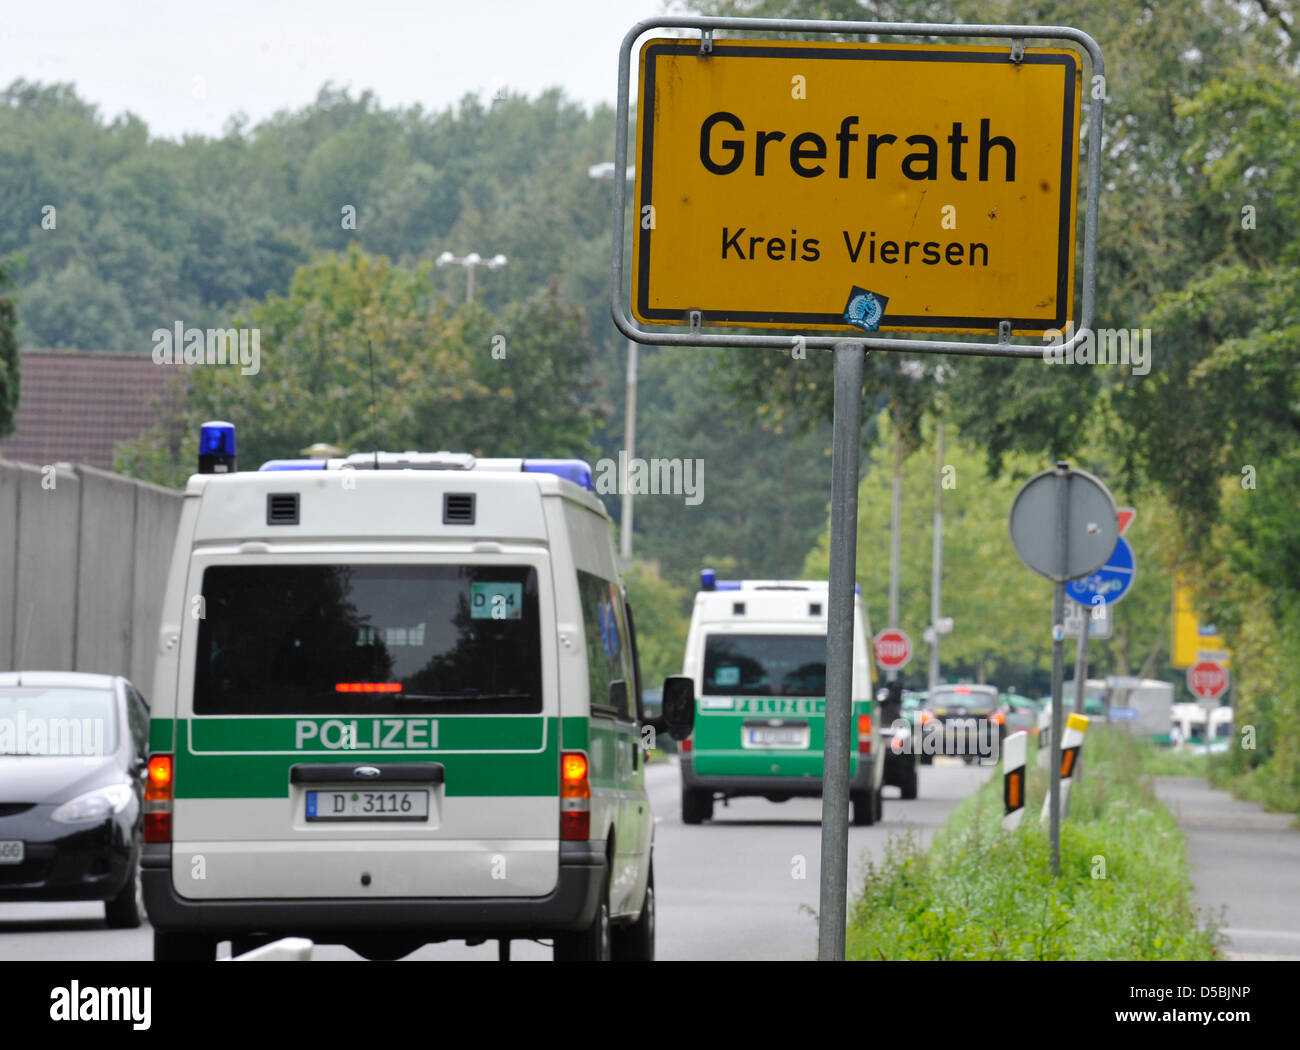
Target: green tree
<point x="436" y="381"/>
<point x="763" y="487"/>
<point x="661" y="622"/>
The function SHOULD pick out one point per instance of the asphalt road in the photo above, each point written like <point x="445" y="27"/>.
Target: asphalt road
<point x="743" y="886"/>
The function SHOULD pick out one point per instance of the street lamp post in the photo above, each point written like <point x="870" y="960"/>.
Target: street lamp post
<point x="606" y="171"/>
<point x="471" y="262"/>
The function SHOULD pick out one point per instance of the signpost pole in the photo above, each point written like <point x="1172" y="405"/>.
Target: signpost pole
<point x="894" y="525"/>
<point x="1058" y="657"/>
<point x="936" y="563"/>
<point x="847" y="439"/>
<point x="1080" y="684"/>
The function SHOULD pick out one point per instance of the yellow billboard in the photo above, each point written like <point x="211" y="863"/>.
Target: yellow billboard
<point x="1193" y="641"/>
<point x="787" y="184"/>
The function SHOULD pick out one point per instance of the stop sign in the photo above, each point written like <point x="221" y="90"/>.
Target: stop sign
<point x="893" y="649"/>
<point x="1207" y="680"/>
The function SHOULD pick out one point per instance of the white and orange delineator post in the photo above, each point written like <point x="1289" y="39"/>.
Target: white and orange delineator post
<point x="1071" y="744"/>
<point x="1013" y="779"/>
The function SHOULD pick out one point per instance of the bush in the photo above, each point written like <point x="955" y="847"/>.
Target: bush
<point x="981" y="892"/>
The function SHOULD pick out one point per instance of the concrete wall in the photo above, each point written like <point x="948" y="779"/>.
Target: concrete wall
<point x="83" y="563"/>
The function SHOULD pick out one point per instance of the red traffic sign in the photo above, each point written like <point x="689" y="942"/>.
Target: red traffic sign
<point x="893" y="649"/>
<point x="1207" y="680"/>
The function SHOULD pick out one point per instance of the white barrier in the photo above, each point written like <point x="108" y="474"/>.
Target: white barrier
<point x="1071" y="747"/>
<point x="1044" y="736"/>
<point x="287" y="949"/>
<point x="1013" y="778"/>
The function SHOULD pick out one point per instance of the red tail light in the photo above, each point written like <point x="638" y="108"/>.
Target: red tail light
<point x="158" y="800"/>
<point x="575" y="797"/>
<point x="688" y="744"/>
<point x="926" y="717"/>
<point x="997" y="718"/>
<point x="864" y="734"/>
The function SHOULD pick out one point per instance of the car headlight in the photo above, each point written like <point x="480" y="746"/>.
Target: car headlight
<point x="94" y="805"/>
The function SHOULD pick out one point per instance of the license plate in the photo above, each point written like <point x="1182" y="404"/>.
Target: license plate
<point x="12" y="851"/>
<point x="795" y="738"/>
<point x="368" y="805"/>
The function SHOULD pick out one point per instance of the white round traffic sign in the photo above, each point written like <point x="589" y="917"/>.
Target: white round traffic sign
<point x="893" y="649"/>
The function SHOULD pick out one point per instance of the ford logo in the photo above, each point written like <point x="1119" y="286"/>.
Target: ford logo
<point x="365" y="771"/>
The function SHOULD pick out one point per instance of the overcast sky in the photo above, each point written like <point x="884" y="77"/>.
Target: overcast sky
<point x="188" y="66"/>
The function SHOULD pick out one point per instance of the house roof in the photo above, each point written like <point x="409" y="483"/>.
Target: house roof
<point x="75" y="405"/>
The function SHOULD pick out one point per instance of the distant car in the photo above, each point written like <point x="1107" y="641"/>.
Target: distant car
<point x="72" y="767"/>
<point x="968" y="716"/>
<point x="1021" y="713"/>
<point x="899" y="725"/>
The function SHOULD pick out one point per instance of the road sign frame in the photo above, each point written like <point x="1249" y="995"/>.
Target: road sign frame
<point x="1016" y="35"/>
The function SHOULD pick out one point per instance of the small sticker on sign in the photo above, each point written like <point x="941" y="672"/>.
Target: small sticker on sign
<point x="496" y="601"/>
<point x="865" y="309"/>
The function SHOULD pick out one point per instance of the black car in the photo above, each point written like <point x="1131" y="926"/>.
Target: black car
<point x="72" y="766"/>
<point x="969" y="721"/>
<point x="901" y="752"/>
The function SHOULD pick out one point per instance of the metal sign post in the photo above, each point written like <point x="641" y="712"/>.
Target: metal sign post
<point x="1084" y="530"/>
<point x="847" y="439"/>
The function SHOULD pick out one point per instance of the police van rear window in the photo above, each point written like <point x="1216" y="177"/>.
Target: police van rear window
<point x="368" y="639"/>
<point x="765" y="665"/>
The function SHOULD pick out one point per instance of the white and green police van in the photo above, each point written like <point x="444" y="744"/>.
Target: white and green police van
<point x="397" y="701"/>
<point x="756" y="652"/>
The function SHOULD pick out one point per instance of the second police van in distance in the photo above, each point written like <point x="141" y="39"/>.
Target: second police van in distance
<point x="756" y="652"/>
<point x="398" y="701"/>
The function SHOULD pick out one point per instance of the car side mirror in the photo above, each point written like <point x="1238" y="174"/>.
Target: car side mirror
<point x="679" y="705"/>
<point x="618" y="694"/>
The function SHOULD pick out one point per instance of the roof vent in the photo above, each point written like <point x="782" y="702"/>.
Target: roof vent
<point x="738" y="608"/>
<point x="458" y="508"/>
<point x="282" y="508"/>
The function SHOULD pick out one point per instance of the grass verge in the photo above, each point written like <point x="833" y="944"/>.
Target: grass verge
<point x="979" y="892"/>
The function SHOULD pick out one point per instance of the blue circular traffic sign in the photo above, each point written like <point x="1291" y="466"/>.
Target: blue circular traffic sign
<point x="1111" y="582"/>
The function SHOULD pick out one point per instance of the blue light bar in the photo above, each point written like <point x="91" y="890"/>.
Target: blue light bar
<point x="708" y="579"/>
<point x="293" y="464"/>
<point x="576" y="470"/>
<point x="217" y="447"/>
<point x="728" y="585"/>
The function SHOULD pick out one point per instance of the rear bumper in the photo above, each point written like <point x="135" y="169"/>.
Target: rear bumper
<point x="735" y="786"/>
<point x="569" y="907"/>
